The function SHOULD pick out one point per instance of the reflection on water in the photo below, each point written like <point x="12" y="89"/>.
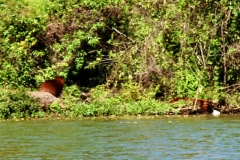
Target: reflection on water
<point x="203" y="137"/>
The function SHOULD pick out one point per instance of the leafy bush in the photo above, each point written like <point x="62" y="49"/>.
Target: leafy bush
<point x="17" y="104"/>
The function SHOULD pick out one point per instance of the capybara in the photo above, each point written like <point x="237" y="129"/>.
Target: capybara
<point x="54" y="86"/>
<point x="206" y="106"/>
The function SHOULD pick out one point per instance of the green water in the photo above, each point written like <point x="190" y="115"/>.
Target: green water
<point x="203" y="137"/>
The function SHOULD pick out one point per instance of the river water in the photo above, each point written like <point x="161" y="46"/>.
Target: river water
<point x="200" y="137"/>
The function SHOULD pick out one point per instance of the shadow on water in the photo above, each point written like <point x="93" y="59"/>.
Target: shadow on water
<point x="201" y="137"/>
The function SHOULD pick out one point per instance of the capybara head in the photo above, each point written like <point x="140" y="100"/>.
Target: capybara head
<point x="54" y="86"/>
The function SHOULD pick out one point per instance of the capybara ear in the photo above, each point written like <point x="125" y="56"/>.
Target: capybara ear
<point x="54" y="86"/>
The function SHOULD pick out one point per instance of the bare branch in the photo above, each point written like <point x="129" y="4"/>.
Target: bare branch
<point x="123" y="34"/>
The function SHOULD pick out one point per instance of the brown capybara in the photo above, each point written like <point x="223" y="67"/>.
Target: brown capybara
<point x="207" y="106"/>
<point x="54" y="86"/>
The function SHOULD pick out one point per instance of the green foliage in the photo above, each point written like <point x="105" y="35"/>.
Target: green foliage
<point x="179" y="46"/>
<point x="72" y="91"/>
<point x="187" y="84"/>
<point x="103" y="102"/>
<point x="17" y="104"/>
<point x="192" y="39"/>
<point x="19" y="26"/>
<point x="32" y="48"/>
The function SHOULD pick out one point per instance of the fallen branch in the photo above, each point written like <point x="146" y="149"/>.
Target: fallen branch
<point x="123" y="34"/>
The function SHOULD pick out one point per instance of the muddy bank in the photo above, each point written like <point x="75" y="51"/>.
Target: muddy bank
<point x="190" y="111"/>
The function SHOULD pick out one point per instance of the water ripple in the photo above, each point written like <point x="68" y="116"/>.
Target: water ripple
<point x="203" y="137"/>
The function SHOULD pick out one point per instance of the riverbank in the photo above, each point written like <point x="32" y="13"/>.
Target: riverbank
<point x="129" y="57"/>
<point x="17" y="104"/>
<point x="232" y="110"/>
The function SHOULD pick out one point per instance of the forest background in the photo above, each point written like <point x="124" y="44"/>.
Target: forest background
<point x="129" y="57"/>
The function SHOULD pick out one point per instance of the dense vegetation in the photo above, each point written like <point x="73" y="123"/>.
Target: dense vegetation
<point x="129" y="56"/>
